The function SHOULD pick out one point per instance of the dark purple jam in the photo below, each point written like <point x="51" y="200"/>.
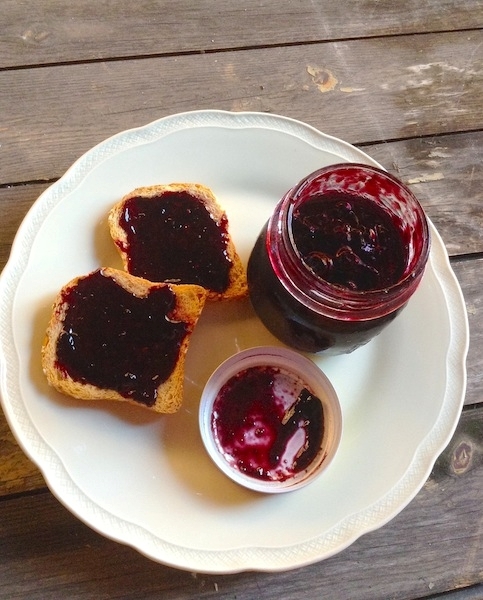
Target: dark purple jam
<point x="349" y="242"/>
<point x="115" y="340"/>
<point x="172" y="237"/>
<point x="338" y="260"/>
<point x="295" y="324"/>
<point x="268" y="424"/>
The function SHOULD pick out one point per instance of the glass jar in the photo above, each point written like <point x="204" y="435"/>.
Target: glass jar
<point x="339" y="258"/>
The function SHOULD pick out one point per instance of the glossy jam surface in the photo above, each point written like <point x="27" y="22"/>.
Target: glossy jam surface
<point x="267" y="424"/>
<point x="349" y="241"/>
<point x="172" y="237"/>
<point x="115" y="340"/>
<point x="340" y="257"/>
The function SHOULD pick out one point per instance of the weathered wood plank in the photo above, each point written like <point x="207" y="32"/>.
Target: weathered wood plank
<point x="444" y="172"/>
<point x="408" y="96"/>
<point x="55" y="31"/>
<point x="475" y="592"/>
<point x="434" y="545"/>
<point x="470" y="276"/>
<point x="17" y="473"/>
<point x="14" y="204"/>
<point x="53" y="115"/>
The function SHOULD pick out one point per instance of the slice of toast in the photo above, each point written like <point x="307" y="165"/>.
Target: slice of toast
<point x="113" y="336"/>
<point x="178" y="233"/>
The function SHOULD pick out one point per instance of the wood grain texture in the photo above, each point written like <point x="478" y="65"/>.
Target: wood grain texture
<point x="17" y="473"/>
<point x="445" y="174"/>
<point x="403" y="81"/>
<point x="432" y="546"/>
<point x="77" y="106"/>
<point x="474" y="592"/>
<point x="55" y="31"/>
<point x="14" y="205"/>
<point x="470" y="276"/>
<point x="443" y="171"/>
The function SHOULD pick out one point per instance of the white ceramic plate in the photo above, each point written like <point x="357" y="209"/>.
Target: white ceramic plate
<point x="144" y="479"/>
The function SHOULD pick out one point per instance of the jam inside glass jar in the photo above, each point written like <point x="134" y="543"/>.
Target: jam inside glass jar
<point x="340" y="257"/>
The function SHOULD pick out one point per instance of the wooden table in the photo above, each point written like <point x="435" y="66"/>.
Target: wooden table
<point x="402" y="81"/>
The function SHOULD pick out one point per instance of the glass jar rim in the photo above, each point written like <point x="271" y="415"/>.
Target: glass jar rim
<point x="327" y="298"/>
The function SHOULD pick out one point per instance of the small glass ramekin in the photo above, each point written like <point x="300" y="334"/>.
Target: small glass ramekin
<point x="233" y="396"/>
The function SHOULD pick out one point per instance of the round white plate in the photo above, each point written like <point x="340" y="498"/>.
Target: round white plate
<point x="144" y="479"/>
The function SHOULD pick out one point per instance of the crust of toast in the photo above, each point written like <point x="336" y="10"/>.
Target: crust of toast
<point x="237" y="287"/>
<point x="190" y="300"/>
